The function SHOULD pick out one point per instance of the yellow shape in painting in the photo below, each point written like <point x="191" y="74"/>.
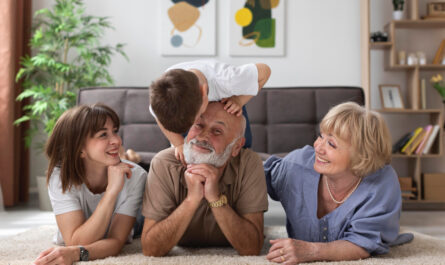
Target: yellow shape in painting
<point x="243" y="17"/>
<point x="274" y="3"/>
<point x="183" y="15"/>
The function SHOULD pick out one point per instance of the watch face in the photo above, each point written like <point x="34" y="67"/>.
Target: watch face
<point x="83" y="254"/>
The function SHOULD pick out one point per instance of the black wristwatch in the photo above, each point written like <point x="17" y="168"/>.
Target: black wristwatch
<point x="84" y="255"/>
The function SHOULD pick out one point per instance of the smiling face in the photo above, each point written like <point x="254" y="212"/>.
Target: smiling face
<point x="214" y="137"/>
<point x="332" y="156"/>
<point x="102" y="149"/>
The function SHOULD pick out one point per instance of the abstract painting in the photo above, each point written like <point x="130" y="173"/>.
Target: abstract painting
<point x="256" y="28"/>
<point x="188" y="27"/>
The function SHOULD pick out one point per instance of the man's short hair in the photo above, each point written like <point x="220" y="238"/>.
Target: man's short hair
<point x="176" y="98"/>
<point x="367" y="133"/>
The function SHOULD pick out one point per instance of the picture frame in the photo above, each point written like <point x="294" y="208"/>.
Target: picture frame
<point x="187" y="28"/>
<point x="257" y="28"/>
<point x="436" y="9"/>
<point x="391" y="96"/>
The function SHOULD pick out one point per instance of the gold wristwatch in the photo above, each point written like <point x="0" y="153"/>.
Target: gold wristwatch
<point x="219" y="203"/>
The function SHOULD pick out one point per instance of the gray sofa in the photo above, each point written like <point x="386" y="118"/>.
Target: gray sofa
<point x="282" y="119"/>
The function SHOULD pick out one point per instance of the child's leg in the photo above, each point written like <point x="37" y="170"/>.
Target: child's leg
<point x="248" y="133"/>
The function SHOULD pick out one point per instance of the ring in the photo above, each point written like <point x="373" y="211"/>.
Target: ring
<point x="282" y="258"/>
<point x="281" y="251"/>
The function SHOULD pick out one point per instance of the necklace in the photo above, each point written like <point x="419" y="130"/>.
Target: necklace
<point x="347" y="196"/>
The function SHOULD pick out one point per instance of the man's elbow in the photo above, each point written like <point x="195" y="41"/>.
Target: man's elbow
<point x="249" y="252"/>
<point x="152" y="250"/>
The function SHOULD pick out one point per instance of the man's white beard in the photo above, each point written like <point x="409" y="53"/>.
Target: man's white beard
<point x="194" y="157"/>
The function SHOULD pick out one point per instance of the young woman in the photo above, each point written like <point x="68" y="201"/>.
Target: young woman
<point x="95" y="196"/>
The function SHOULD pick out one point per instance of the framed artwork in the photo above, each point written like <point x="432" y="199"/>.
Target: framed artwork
<point x="187" y="27"/>
<point x="436" y="9"/>
<point x="256" y="28"/>
<point x="391" y="97"/>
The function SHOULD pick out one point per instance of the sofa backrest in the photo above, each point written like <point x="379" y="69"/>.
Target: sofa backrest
<point x="282" y="119"/>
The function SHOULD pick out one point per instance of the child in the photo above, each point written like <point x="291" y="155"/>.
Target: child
<point x="95" y="196"/>
<point x="182" y="93"/>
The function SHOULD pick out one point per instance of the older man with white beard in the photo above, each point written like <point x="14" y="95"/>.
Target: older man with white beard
<point x="217" y="200"/>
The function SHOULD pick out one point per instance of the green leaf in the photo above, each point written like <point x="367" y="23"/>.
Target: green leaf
<point x="21" y="119"/>
<point x="67" y="56"/>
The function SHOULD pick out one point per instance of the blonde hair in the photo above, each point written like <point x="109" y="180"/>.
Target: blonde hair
<point x="367" y="133"/>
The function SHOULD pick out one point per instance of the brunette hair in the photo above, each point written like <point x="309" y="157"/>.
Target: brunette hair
<point x="68" y="138"/>
<point x="367" y="132"/>
<point x="176" y="98"/>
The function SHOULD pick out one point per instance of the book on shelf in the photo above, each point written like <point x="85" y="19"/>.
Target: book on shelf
<point x="423" y="92"/>
<point x="416" y="142"/>
<point x="440" y="53"/>
<point x="411" y="140"/>
<point x="401" y="142"/>
<point x="430" y="141"/>
<point x="428" y="129"/>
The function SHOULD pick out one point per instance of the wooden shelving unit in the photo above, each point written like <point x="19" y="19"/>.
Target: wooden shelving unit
<point x="413" y="72"/>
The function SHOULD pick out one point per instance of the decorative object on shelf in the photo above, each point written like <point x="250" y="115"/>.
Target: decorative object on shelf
<point x="398" y="9"/>
<point x="439" y="85"/>
<point x="436" y="10"/>
<point x="379" y="36"/>
<point x="421" y="58"/>
<point x="434" y="185"/>
<point x="407" y="188"/>
<point x="390" y="96"/>
<point x="439" y="58"/>
<point x="256" y="28"/>
<point x="412" y="59"/>
<point x="401" y="58"/>
<point x="188" y="27"/>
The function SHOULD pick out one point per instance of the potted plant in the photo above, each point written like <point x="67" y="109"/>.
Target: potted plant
<point x="398" y="9"/>
<point x="67" y="55"/>
<point x="437" y="82"/>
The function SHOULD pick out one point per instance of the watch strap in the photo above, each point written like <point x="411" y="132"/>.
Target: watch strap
<point x="219" y="203"/>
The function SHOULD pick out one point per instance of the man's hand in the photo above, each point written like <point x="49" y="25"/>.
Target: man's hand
<point x="290" y="251"/>
<point x="195" y="186"/>
<point x="211" y="176"/>
<point x="233" y="105"/>
<point x="179" y="154"/>
<point x="58" y="255"/>
<point x="116" y="177"/>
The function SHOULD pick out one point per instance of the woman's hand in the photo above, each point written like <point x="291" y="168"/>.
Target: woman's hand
<point x="116" y="177"/>
<point x="58" y="255"/>
<point x="290" y="251"/>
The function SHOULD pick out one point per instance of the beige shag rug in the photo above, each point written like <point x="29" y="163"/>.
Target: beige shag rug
<point x="23" y="248"/>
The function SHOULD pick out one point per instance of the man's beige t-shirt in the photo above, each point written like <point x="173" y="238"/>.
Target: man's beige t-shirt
<point x="243" y="182"/>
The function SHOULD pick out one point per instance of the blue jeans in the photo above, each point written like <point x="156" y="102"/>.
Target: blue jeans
<point x="247" y="133"/>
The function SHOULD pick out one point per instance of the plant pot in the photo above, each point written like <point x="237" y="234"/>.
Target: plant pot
<point x="44" y="202"/>
<point x="397" y="14"/>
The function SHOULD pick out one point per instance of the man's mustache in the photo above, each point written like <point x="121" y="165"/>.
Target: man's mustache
<point x="203" y="144"/>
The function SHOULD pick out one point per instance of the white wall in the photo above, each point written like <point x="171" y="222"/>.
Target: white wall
<point x="322" y="44"/>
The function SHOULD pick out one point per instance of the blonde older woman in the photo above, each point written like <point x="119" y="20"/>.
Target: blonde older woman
<point x="342" y="198"/>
